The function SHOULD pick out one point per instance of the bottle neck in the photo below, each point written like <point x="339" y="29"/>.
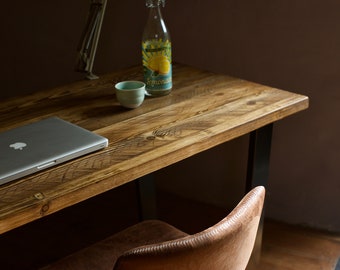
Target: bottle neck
<point x="155" y="14"/>
<point x="155" y="26"/>
<point x="154" y="3"/>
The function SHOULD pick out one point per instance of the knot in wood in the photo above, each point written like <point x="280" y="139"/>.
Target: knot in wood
<point x="44" y="209"/>
<point x="39" y="196"/>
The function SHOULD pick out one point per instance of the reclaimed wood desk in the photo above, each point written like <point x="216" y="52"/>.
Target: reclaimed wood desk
<point x="203" y="111"/>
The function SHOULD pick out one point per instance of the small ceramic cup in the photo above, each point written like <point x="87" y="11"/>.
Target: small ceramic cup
<point x="130" y="94"/>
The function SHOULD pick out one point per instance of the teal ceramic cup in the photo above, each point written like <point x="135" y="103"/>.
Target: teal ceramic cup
<point x="130" y="94"/>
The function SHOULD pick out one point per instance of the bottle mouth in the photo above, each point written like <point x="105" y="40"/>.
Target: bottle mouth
<point x="154" y="3"/>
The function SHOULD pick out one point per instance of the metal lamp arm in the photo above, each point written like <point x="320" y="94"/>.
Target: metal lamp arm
<point x="89" y="40"/>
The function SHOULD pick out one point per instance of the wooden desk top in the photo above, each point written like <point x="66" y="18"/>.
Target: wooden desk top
<point x="203" y="110"/>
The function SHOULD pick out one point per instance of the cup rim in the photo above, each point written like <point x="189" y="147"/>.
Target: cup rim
<point x="141" y="87"/>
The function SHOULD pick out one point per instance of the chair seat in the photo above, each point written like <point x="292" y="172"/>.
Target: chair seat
<point x="155" y="245"/>
<point x="108" y="250"/>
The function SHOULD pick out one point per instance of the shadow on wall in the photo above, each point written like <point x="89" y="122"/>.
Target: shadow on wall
<point x="40" y="40"/>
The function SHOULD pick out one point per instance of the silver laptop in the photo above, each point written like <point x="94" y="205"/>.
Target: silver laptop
<point x="40" y="145"/>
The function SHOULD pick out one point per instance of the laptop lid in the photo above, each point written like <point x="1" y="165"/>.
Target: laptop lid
<point x="40" y="145"/>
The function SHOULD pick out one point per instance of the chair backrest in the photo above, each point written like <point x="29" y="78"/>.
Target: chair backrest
<point x="226" y="245"/>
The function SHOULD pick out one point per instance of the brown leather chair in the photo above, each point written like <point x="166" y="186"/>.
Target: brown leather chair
<point x="157" y="245"/>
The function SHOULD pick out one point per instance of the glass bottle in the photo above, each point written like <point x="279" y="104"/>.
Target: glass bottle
<point x="156" y="52"/>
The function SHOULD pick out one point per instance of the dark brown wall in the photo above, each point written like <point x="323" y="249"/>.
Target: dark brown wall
<point x="294" y="45"/>
<point x="288" y="44"/>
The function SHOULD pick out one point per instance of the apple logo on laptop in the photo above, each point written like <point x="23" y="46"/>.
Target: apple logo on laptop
<point x="18" y="145"/>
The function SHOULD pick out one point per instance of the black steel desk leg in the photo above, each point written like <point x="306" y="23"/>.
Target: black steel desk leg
<point x="257" y="175"/>
<point x="258" y="157"/>
<point x="146" y="197"/>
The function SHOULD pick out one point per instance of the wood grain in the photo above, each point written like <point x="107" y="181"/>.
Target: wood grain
<point x="203" y="111"/>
